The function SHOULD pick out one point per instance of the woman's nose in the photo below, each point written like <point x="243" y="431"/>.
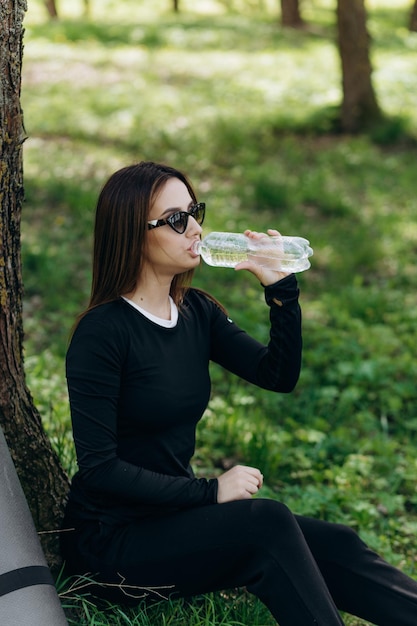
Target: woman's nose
<point x="193" y="226"/>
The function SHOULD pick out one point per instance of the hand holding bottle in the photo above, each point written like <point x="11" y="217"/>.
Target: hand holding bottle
<point x="270" y="256"/>
<point x="265" y="275"/>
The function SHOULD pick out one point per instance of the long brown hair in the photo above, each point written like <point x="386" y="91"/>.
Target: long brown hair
<point x="121" y="224"/>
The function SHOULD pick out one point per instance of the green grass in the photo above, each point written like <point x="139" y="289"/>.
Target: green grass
<point x="234" y="608"/>
<point x="246" y="109"/>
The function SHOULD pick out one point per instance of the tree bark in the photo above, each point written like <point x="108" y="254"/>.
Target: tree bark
<point x="413" y="17"/>
<point x="360" y="109"/>
<point x="290" y="14"/>
<point x="41" y="475"/>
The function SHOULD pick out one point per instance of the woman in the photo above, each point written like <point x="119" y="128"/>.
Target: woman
<point x="137" y="367"/>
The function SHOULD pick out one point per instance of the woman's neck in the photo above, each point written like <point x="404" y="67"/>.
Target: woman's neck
<point x="152" y="297"/>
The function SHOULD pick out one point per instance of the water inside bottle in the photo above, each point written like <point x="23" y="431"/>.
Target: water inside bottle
<point x="223" y="258"/>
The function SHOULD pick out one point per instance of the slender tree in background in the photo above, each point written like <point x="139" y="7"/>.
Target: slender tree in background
<point x="43" y="480"/>
<point x="360" y="109"/>
<point x="51" y="8"/>
<point x="413" y="17"/>
<point x="53" y="11"/>
<point x="291" y="14"/>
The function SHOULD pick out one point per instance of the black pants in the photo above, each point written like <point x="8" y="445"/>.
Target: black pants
<point x="301" y="568"/>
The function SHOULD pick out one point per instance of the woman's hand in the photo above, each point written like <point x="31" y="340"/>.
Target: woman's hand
<point x="239" y="483"/>
<point x="265" y="276"/>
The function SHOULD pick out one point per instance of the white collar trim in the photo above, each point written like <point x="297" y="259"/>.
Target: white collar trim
<point x="158" y="320"/>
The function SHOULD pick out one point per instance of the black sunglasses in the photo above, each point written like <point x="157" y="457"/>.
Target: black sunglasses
<point x="179" y="220"/>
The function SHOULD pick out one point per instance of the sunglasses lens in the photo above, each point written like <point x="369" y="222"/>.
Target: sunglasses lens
<point x="198" y="211"/>
<point x="179" y="221"/>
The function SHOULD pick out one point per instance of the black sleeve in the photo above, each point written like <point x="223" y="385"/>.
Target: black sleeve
<point x="94" y="367"/>
<point x="276" y="366"/>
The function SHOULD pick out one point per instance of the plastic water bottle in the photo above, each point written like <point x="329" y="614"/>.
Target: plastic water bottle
<point x="280" y="253"/>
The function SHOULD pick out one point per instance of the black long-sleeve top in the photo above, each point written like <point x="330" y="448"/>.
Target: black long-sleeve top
<point x="137" y="391"/>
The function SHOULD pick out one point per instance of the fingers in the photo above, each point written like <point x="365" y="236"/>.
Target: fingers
<point x="239" y="483"/>
<point x="252" y="485"/>
<point x="265" y="275"/>
<point x="254" y="474"/>
<point x="253" y="234"/>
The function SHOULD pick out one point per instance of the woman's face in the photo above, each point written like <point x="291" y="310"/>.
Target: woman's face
<point x="167" y="251"/>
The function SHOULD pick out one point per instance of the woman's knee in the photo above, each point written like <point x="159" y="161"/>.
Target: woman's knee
<point x="270" y="517"/>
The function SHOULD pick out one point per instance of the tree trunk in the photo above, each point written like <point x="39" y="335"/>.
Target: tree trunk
<point x="41" y="475"/>
<point x="290" y="14"/>
<point x="87" y="8"/>
<point x="413" y="17"/>
<point x="176" y="6"/>
<point x="360" y="108"/>
<point x="51" y="8"/>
